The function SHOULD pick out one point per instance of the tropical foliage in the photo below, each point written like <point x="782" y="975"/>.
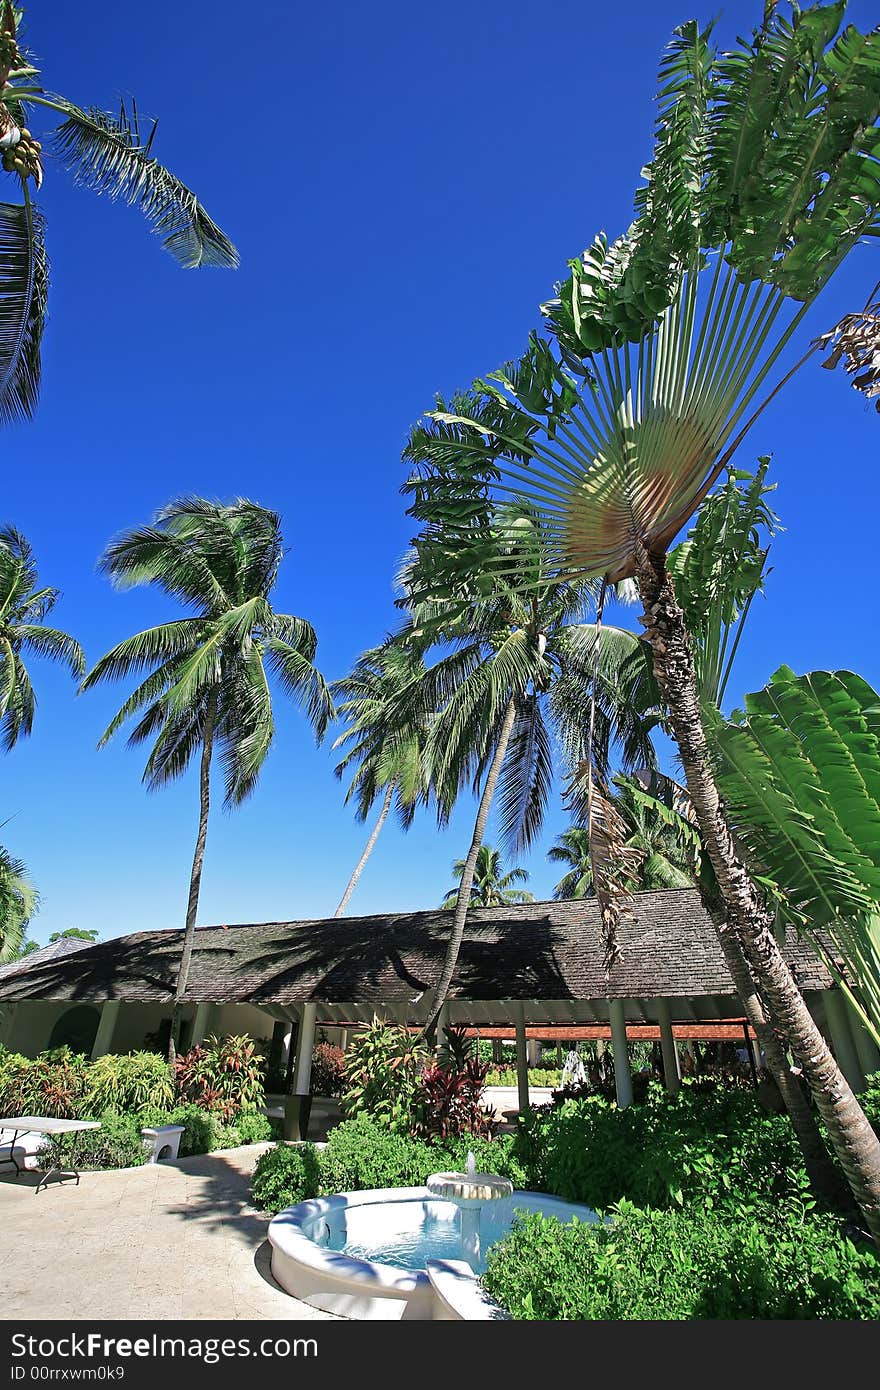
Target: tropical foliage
<point x="658" y="360"/>
<point x="207" y="686"/>
<point x="490" y="887"/>
<point x="384" y="744"/>
<point x="800" y="773"/>
<point x="108" y="154"/>
<point x="24" y="606"/>
<point x="19" y="901"/>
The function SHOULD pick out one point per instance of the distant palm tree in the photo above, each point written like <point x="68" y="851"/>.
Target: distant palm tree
<point x="19" y="901"/>
<point x="573" y="848"/>
<point x="490" y="888"/>
<point x="208" y="687"/>
<point x="23" y="606"/>
<point x="386" y="751"/>
<point x="102" y="152"/>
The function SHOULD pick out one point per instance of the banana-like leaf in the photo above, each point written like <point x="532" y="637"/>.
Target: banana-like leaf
<point x="108" y="156"/>
<point x="24" y="285"/>
<point x="718" y="570"/>
<point x="800" y="775"/>
<point x="765" y="174"/>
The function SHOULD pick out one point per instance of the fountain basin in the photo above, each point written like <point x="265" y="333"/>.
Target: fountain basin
<point x="366" y="1255"/>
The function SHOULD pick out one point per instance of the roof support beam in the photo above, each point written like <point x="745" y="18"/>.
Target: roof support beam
<point x="671" y="1074"/>
<point x="622" y="1073"/>
<point x="522" y="1061"/>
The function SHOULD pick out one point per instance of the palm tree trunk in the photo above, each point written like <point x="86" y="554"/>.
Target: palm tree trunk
<point x="855" y="1143"/>
<point x="195" y="878"/>
<point x="464" y="888"/>
<point x="824" y="1177"/>
<point x="368" y="850"/>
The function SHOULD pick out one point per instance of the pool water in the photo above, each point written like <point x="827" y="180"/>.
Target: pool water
<point x="409" y="1232"/>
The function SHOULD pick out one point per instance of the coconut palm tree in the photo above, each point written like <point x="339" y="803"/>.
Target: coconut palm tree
<point x="661" y="855"/>
<point x="19" y="901"/>
<point x="386" y="753"/>
<point x="573" y="848"/>
<point x="207" y="689"/>
<point x="490" y="887"/>
<point x="108" y="154"/>
<point x="24" y="605"/>
<point x="660" y="357"/>
<point x="493" y="693"/>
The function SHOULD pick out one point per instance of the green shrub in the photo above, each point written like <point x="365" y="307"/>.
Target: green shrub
<point x="680" y="1265"/>
<point x="117" y="1144"/>
<point x="53" y="1084"/>
<point x="131" y="1083"/>
<point x="222" y="1075"/>
<point x="254" y="1127"/>
<point x="706" y="1145"/>
<point x="362" y="1153"/>
<point x="382" y="1069"/>
<point x="538" y="1076"/>
<point x="286" y="1175"/>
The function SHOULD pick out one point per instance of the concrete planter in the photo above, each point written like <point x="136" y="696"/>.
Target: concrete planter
<point x="164" y="1142"/>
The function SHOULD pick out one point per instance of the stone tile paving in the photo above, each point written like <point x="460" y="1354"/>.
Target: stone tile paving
<point x="163" y="1241"/>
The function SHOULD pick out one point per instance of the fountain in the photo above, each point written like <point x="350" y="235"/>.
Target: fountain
<point x="469" y="1191"/>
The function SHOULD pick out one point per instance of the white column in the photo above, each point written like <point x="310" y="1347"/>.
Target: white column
<point x="622" y="1073"/>
<point x="533" y="1052"/>
<point x="671" y="1074"/>
<point x="866" y="1049"/>
<point x="522" y="1062"/>
<point x="302" y="1072"/>
<point x="342" y="1039"/>
<point x="842" y="1039"/>
<point x="201" y="1023"/>
<point x="104" y="1035"/>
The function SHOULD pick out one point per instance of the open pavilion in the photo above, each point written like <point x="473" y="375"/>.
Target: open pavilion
<point x="522" y="970"/>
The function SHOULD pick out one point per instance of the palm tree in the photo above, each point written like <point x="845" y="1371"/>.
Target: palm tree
<point x="208" y="687"/>
<point x="19" y="901"/>
<point x="490" y="888"/>
<point x="23" y="608"/>
<point x="573" y="848"/>
<point x="387" y="753"/>
<point x="659" y="361"/>
<point x="105" y="153"/>
<point x="659" y="854"/>
<point x="494" y="692"/>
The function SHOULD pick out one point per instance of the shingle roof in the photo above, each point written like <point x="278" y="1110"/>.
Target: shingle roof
<point x="64" y="946"/>
<point x="537" y="951"/>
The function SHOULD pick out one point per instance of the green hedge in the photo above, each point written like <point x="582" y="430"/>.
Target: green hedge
<point x="538" y="1076"/>
<point x="362" y="1154"/>
<point x="708" y="1145"/>
<point x="117" y="1144"/>
<point x="681" y="1265"/>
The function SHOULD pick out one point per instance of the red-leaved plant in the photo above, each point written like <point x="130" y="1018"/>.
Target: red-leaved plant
<point x="447" y="1102"/>
<point x="222" y="1075"/>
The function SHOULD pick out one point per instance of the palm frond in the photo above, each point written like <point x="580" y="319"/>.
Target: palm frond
<point x="108" y="156"/>
<point x="24" y="287"/>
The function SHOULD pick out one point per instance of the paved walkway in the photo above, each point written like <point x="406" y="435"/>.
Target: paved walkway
<point x="162" y="1241"/>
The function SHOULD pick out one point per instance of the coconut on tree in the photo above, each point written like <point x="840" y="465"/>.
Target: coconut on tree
<point x="663" y="349"/>
<point x="207" y="690"/>
<point x="113" y="156"/>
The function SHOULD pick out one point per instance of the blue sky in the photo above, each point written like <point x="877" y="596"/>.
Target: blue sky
<point x="404" y="183"/>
